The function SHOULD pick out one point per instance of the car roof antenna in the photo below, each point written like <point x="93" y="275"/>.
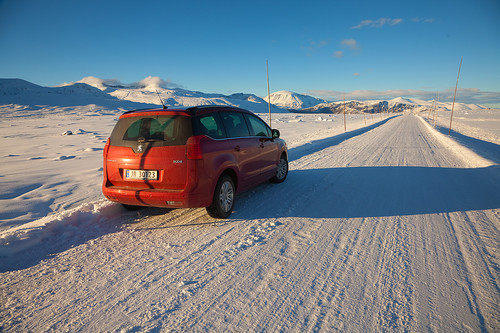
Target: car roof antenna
<point x="164" y="107"/>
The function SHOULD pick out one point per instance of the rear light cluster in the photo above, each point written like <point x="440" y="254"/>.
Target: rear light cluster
<point x="106" y="147"/>
<point x="193" y="147"/>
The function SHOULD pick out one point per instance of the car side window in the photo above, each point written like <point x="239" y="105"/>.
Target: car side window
<point x="235" y="124"/>
<point x="211" y="126"/>
<point x="258" y="127"/>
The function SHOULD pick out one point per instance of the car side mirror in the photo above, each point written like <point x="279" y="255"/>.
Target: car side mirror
<point x="276" y="133"/>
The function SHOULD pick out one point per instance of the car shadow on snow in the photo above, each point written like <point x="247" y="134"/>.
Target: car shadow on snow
<point x="80" y="228"/>
<point x="63" y="233"/>
<point x="376" y="192"/>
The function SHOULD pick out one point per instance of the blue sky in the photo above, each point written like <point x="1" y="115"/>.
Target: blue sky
<point x="365" y="49"/>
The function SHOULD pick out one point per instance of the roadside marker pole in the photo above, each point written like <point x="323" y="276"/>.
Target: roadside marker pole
<point x="433" y="110"/>
<point x="453" y="105"/>
<point x="437" y="108"/>
<point x="268" y="93"/>
<point x="435" y="104"/>
<point x="345" y="126"/>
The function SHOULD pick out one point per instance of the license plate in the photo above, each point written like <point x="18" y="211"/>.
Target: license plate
<point x="141" y="174"/>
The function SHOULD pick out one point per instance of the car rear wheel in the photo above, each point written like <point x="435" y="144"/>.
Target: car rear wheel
<point x="223" y="201"/>
<point x="282" y="171"/>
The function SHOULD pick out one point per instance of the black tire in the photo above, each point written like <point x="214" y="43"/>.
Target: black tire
<point x="282" y="171"/>
<point x="223" y="201"/>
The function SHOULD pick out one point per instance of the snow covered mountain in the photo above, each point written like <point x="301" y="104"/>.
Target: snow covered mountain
<point x="394" y="105"/>
<point x="291" y="100"/>
<point x="112" y="93"/>
<point x="33" y="96"/>
<point x="358" y="107"/>
<point x="17" y="91"/>
<point x="147" y="91"/>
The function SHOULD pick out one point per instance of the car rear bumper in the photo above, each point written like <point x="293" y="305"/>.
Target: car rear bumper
<point x="157" y="198"/>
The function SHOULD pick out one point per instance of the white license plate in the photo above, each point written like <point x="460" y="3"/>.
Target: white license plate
<point x="141" y="174"/>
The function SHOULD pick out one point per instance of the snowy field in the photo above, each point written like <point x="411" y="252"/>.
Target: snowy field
<point x="390" y="226"/>
<point x="46" y="171"/>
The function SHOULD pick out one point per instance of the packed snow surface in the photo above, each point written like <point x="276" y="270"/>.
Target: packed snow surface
<point x="389" y="226"/>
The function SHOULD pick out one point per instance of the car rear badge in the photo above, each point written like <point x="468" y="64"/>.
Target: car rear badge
<point x="139" y="148"/>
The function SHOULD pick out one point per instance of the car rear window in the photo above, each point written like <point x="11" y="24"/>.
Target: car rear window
<point x="165" y="130"/>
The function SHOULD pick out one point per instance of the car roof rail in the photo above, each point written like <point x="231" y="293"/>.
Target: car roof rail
<point x="130" y="111"/>
<point x="156" y="110"/>
<point x="192" y="110"/>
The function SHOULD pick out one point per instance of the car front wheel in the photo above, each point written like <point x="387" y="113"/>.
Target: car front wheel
<point x="282" y="171"/>
<point x="223" y="201"/>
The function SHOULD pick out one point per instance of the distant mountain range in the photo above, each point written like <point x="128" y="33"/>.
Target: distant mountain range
<point x="290" y="100"/>
<point x="92" y="90"/>
<point x="357" y="107"/>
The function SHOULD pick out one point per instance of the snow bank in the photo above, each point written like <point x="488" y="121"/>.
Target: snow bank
<point x="60" y="227"/>
<point x="469" y="157"/>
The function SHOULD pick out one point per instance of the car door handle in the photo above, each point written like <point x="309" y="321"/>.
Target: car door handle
<point x="237" y="148"/>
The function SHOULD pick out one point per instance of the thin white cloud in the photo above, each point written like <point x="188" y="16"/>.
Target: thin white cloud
<point x="350" y="43"/>
<point x="103" y="84"/>
<point x="338" y="54"/>
<point x="378" y="23"/>
<point x="422" y="20"/>
<point x="314" y="46"/>
<point x="152" y="81"/>
<point x="319" y="44"/>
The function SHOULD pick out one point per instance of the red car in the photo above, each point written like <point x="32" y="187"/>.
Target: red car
<point x="190" y="157"/>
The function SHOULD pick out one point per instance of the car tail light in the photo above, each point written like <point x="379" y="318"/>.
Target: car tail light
<point x="106" y="147"/>
<point x="105" y="162"/>
<point x="193" y="147"/>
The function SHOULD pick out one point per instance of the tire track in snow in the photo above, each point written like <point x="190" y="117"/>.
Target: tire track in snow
<point x="479" y="278"/>
<point x="299" y="256"/>
<point x="394" y="285"/>
<point x="398" y="305"/>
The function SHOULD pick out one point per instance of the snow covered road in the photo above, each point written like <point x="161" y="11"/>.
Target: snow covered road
<point x="387" y="228"/>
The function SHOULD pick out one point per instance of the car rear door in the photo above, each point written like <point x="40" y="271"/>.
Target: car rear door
<point x="245" y="148"/>
<point x="268" y="148"/>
